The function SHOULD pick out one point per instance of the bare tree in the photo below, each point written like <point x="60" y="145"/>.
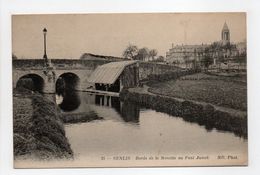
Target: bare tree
<point x="130" y="52"/>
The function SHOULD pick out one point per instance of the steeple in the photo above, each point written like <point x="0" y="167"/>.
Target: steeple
<point x="225" y="27"/>
<point x="225" y="34"/>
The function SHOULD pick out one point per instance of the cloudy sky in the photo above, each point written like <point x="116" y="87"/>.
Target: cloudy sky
<point x="109" y="34"/>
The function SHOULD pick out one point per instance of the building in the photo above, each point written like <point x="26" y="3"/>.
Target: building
<point x="183" y="54"/>
<point x="223" y="50"/>
<point x="241" y="47"/>
<point x="225" y="34"/>
<point x="114" y="76"/>
<point x="90" y="56"/>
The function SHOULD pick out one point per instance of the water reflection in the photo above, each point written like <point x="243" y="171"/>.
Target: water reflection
<point x="82" y="102"/>
<point x="114" y="109"/>
<point x="68" y="101"/>
<point x="129" y="112"/>
<point x="109" y="101"/>
<point x="156" y="134"/>
<point x="125" y="128"/>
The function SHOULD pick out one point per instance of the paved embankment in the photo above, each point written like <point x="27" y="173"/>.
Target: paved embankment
<point x="38" y="130"/>
<point x="211" y="116"/>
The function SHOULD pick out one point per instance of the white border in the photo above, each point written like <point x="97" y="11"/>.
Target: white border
<point x="8" y="7"/>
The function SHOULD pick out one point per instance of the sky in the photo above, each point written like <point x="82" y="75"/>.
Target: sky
<point x="71" y="35"/>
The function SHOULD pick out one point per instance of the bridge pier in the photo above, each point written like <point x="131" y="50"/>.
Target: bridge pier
<point x="50" y="80"/>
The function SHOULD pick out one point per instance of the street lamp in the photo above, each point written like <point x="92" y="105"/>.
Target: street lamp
<point x="45" y="54"/>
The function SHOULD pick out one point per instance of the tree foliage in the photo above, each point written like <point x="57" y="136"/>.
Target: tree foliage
<point x="130" y="52"/>
<point x="142" y="54"/>
<point x="152" y="54"/>
<point x="158" y="59"/>
<point x="218" y="51"/>
<point x="207" y="60"/>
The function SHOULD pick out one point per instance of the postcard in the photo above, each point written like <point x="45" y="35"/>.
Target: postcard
<point x="129" y="90"/>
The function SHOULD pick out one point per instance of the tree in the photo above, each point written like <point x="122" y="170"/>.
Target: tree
<point x="152" y="53"/>
<point x="160" y="58"/>
<point x="207" y="60"/>
<point x="186" y="59"/>
<point x="130" y="52"/>
<point x="142" y="54"/>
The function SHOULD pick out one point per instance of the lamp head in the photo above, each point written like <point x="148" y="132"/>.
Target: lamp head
<point x="44" y="30"/>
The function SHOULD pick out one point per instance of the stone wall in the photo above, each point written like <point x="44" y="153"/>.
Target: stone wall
<point x="171" y="75"/>
<point x="58" y="63"/>
<point x="147" y="69"/>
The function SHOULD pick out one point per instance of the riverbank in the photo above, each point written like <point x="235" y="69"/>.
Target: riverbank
<point x="203" y="113"/>
<point x="80" y="117"/>
<point x="221" y="90"/>
<point x="38" y="129"/>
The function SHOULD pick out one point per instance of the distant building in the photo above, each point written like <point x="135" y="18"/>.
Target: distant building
<point x="241" y="47"/>
<point x="225" y="34"/>
<point x="187" y="55"/>
<point x="179" y="54"/>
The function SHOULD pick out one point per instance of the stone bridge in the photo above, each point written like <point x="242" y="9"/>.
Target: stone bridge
<point x="76" y="72"/>
<point x="48" y="78"/>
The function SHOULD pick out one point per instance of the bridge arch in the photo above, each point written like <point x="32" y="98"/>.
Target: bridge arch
<point x="31" y="81"/>
<point x="67" y="81"/>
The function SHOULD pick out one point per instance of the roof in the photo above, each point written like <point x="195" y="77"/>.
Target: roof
<point x="89" y="55"/>
<point x="108" y="73"/>
<point x="225" y="27"/>
<point x="186" y="47"/>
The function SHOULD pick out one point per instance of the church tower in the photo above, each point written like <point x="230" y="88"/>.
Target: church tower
<point x="225" y="34"/>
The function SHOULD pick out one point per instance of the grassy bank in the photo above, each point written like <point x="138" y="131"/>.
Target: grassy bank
<point x="223" y="91"/>
<point x="38" y="129"/>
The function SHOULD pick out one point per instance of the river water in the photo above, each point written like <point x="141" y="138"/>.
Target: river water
<point x="127" y="130"/>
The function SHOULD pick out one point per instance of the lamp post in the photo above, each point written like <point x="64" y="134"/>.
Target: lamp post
<point x="45" y="54"/>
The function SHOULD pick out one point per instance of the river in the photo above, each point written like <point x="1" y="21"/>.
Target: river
<point x="127" y="130"/>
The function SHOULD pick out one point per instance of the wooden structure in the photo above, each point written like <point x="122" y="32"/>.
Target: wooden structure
<point x="115" y="76"/>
